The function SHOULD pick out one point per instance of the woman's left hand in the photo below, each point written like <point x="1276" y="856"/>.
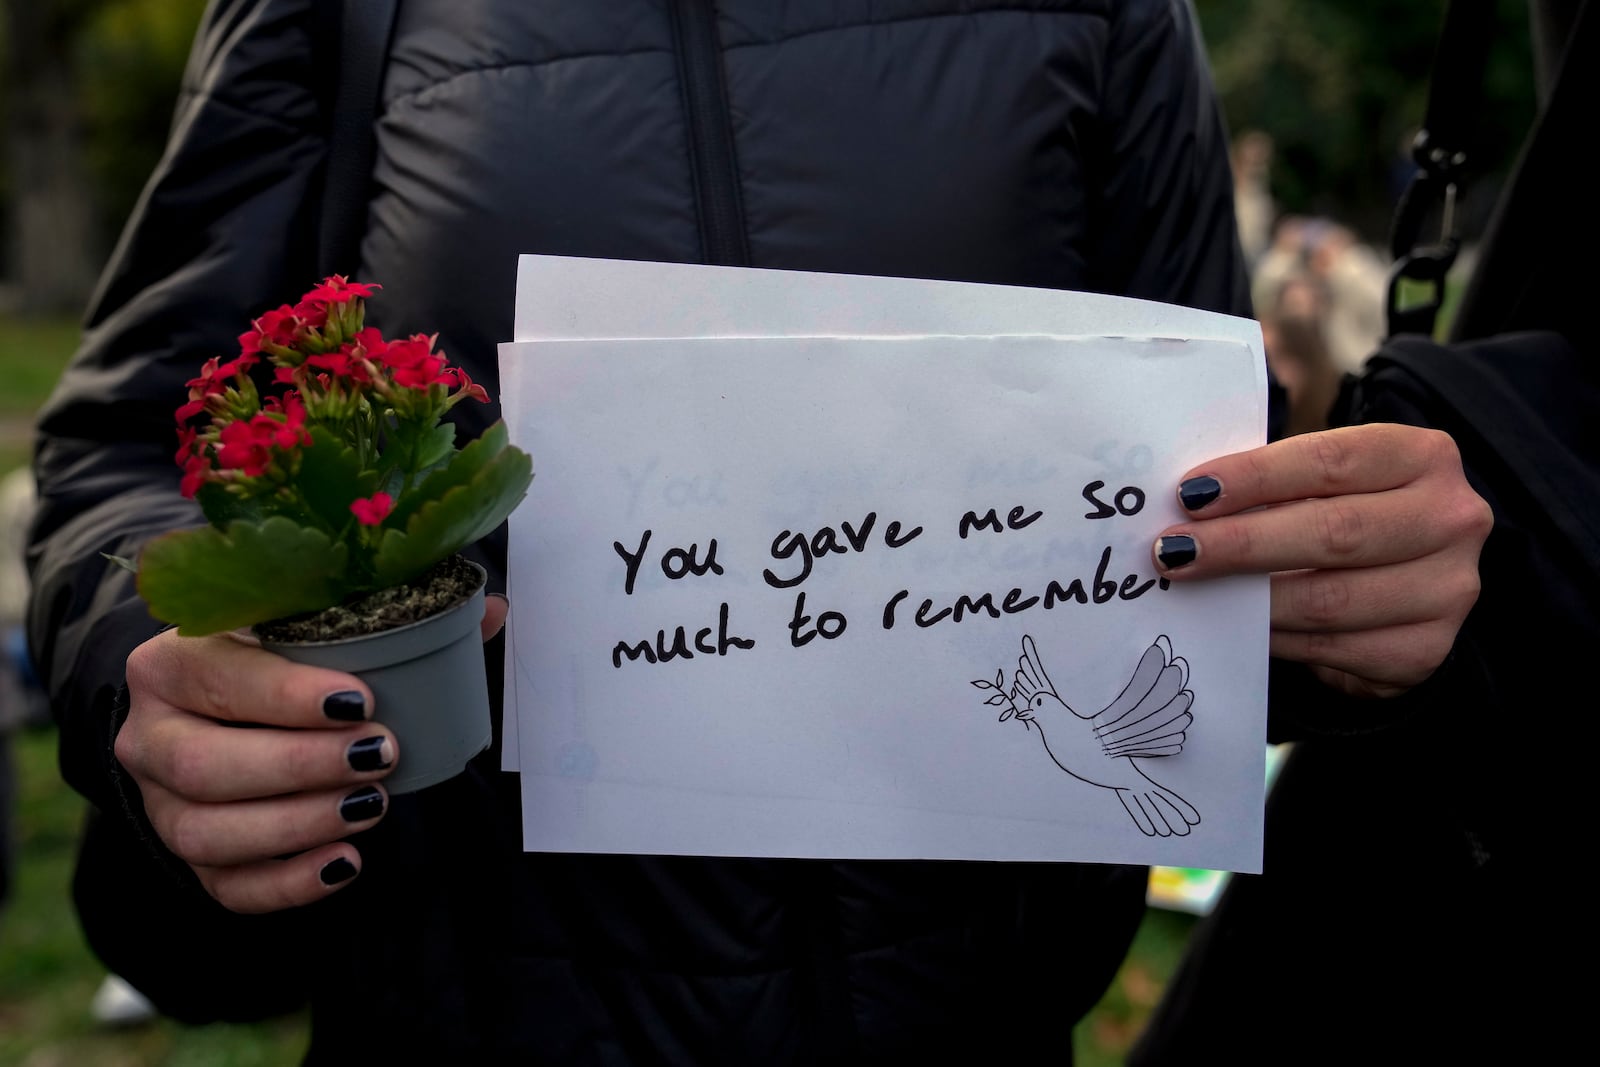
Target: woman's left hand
<point x="1371" y="534"/>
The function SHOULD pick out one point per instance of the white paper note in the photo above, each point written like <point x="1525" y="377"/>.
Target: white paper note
<point x="845" y="470"/>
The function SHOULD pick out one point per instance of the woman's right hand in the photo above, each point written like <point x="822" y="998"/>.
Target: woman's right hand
<point x="262" y="814"/>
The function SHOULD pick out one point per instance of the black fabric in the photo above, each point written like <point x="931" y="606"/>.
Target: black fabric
<point x="1410" y="907"/>
<point x="1057" y="143"/>
<point x="1455" y="88"/>
<point x="1537" y="260"/>
<point x="361" y="28"/>
<point x="1413" y="906"/>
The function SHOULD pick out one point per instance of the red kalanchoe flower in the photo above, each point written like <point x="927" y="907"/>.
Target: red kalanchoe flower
<point x="195" y="470"/>
<point x="414" y="362"/>
<point x="348" y="363"/>
<point x="337" y="289"/>
<point x="294" y="410"/>
<point x="223" y="374"/>
<point x="277" y="327"/>
<point x="240" y="364"/>
<point x="208" y="382"/>
<point x="468" y="389"/>
<point x="339" y="364"/>
<point x="208" y="370"/>
<point x="190" y="410"/>
<point x="246" y="446"/>
<point x="312" y="316"/>
<point x="372" y="511"/>
<point x="216" y="376"/>
<point x="370" y="342"/>
<point x="288" y="433"/>
<point x="422" y="375"/>
<point x="187" y="437"/>
<point x="214" y="380"/>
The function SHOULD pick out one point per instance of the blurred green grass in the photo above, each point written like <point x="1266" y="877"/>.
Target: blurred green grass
<point x="48" y="975"/>
<point x="32" y="353"/>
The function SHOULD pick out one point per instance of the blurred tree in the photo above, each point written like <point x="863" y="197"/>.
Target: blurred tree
<point x="50" y="223"/>
<point x="86" y="90"/>
<point x="1341" y="87"/>
<point x="134" y="53"/>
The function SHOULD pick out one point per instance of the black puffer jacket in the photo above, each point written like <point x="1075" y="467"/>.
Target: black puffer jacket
<point x="1060" y="143"/>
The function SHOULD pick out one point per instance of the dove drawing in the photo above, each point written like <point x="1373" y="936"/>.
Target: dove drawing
<point x="1147" y="720"/>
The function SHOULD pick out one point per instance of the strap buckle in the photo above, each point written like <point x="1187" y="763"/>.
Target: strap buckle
<point x="1423" y="267"/>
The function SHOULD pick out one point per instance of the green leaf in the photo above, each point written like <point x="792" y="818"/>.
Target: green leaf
<point x="465" y="512"/>
<point x="412" y="450"/>
<point x="207" y="580"/>
<point x="222" y="507"/>
<point x="462" y="468"/>
<point x="122" y="561"/>
<point x="331" y="477"/>
<point x="435" y="446"/>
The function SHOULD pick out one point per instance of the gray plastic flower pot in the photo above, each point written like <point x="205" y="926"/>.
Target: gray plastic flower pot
<point x="428" y="686"/>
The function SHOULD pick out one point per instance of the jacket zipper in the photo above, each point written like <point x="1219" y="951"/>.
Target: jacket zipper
<point x="718" y="206"/>
<point x="723" y="241"/>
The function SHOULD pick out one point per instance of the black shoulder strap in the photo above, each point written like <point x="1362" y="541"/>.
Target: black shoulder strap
<point x="1536" y="268"/>
<point x="364" y="27"/>
<point x="1442" y="151"/>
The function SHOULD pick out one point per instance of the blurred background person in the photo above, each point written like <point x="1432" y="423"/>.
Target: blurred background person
<point x="1352" y="280"/>
<point x="1252" y="193"/>
<point x="1356" y="280"/>
<point x="1282" y="259"/>
<point x="1294" y="330"/>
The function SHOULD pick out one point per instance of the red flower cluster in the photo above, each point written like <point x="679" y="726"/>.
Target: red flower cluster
<point x="248" y="446"/>
<point x="373" y="510"/>
<point x="338" y="373"/>
<point x="281" y="331"/>
<point x="215" y="380"/>
<point x="243" y="445"/>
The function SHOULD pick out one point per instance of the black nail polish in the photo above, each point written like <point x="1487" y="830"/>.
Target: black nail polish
<point x="1176" y="550"/>
<point x="365" y="803"/>
<point x="339" y="870"/>
<point x="367" y="754"/>
<point x="346" y="706"/>
<point x="1195" y="493"/>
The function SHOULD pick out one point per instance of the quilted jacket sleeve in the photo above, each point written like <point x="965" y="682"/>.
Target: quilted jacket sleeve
<point x="1162" y="201"/>
<point x="203" y="252"/>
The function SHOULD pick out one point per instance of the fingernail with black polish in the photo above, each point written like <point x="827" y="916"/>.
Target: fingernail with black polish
<point x="1176" y="550"/>
<point x="365" y="803"/>
<point x="346" y="706"/>
<point x="339" y="870"/>
<point x="1195" y="493"/>
<point x="368" y="754"/>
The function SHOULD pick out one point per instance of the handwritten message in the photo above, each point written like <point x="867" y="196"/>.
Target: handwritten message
<point x="800" y="551"/>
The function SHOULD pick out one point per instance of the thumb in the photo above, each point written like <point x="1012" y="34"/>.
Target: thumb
<point x="495" y="607"/>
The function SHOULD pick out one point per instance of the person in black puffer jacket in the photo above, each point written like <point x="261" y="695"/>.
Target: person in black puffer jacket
<point x="1071" y="144"/>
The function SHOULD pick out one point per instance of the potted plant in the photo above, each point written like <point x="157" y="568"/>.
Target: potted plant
<point x="337" y="504"/>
